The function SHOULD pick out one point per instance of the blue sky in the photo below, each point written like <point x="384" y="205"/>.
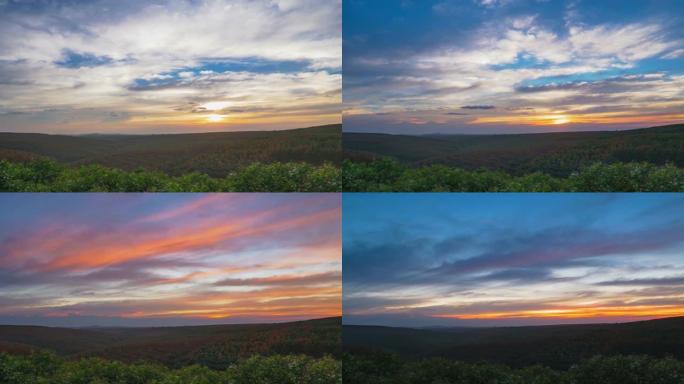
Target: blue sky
<point x="513" y="259"/>
<point x="168" y="259"/>
<point x="411" y="66"/>
<point x="169" y="66"/>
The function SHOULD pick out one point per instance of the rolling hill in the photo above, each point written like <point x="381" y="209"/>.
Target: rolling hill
<point x="557" y="154"/>
<point x="557" y="346"/>
<point x="215" y="346"/>
<point x="215" y="154"/>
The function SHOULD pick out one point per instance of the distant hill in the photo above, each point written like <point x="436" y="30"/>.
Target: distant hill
<point x="557" y="154"/>
<point x="215" y="346"/>
<point x="557" y="346"/>
<point x="215" y="154"/>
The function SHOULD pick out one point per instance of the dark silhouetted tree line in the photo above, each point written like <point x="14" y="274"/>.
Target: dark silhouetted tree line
<point x="384" y="368"/>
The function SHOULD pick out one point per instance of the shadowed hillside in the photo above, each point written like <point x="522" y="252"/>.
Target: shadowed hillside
<point x="215" y="154"/>
<point x="556" y="154"/>
<point x="216" y="346"/>
<point x="556" y="346"/>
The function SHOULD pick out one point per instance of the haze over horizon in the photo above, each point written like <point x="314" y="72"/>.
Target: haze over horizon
<point x="169" y="259"/>
<point x="169" y="66"/>
<point x="420" y="260"/>
<point x="512" y="66"/>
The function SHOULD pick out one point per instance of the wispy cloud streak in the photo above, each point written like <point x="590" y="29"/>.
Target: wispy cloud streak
<point x="202" y="258"/>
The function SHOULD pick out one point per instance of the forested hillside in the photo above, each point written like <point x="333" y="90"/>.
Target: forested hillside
<point x="633" y="353"/>
<point x="556" y="154"/>
<point x="305" y="352"/>
<point x="216" y="346"/>
<point x="214" y="154"/>
<point x="557" y="346"/>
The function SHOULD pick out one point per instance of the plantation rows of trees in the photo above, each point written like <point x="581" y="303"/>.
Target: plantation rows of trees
<point x="383" y="368"/>
<point x="44" y="175"/>
<point x="387" y="175"/>
<point x="47" y="368"/>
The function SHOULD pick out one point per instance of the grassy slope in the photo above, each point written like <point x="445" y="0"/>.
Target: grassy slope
<point x="557" y="154"/>
<point x="213" y="153"/>
<point x="214" y="346"/>
<point x="555" y="346"/>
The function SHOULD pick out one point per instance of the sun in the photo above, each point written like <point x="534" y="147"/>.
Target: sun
<point x="215" y="118"/>
<point x="558" y="120"/>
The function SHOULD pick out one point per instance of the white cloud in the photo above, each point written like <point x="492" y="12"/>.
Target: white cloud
<point x="151" y="41"/>
<point x="676" y="54"/>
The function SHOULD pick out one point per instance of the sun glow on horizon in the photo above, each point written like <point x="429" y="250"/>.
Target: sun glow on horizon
<point x="213" y="118"/>
<point x="561" y="120"/>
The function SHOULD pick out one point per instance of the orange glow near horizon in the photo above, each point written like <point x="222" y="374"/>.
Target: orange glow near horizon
<point x="193" y="257"/>
<point x="597" y="119"/>
<point x="575" y="313"/>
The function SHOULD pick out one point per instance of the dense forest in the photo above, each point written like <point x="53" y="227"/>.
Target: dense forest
<point x="215" y="154"/>
<point x="299" y="160"/>
<point x="648" y="159"/>
<point x="299" y="352"/>
<point x="637" y="352"/>
<point x="558" y="154"/>
<point x="386" y="368"/>
<point x="45" y="175"/>
<point x="47" y="368"/>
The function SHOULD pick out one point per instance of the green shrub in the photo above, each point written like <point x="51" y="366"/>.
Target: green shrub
<point x="48" y="176"/>
<point x="390" y="175"/>
<point x="47" y="368"/>
<point x="387" y="368"/>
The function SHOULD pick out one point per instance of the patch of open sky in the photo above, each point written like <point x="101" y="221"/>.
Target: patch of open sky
<point x="673" y="66"/>
<point x="74" y="60"/>
<point x="576" y="78"/>
<point x="251" y="65"/>
<point x="523" y="61"/>
<point x="644" y="67"/>
<point x="254" y="65"/>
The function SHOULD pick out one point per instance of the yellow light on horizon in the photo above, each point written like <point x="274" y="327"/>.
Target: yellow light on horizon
<point x="215" y="118"/>
<point x="560" y="120"/>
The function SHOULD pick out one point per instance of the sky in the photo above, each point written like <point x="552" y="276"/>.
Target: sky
<point x="421" y="260"/>
<point x="169" y="259"/>
<point x="169" y="66"/>
<point x="512" y="66"/>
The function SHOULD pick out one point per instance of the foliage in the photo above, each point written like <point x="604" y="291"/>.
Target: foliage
<point x="554" y="346"/>
<point x="388" y="175"/>
<point x="215" y="154"/>
<point x="558" y="154"/>
<point x="215" y="346"/>
<point x="44" y="367"/>
<point x="43" y="175"/>
<point x="383" y="368"/>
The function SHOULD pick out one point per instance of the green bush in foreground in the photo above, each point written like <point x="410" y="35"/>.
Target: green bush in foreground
<point x="385" y="369"/>
<point x="387" y="175"/>
<point x="47" y="368"/>
<point x="49" y="176"/>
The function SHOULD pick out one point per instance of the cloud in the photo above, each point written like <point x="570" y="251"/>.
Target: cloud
<point x="478" y="107"/>
<point x="530" y="47"/>
<point x="479" y="261"/>
<point x="231" y="257"/>
<point x="80" y="59"/>
<point x="670" y="281"/>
